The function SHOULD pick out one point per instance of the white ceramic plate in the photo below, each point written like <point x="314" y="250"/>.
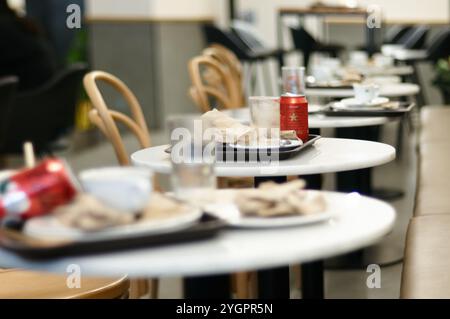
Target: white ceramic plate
<point x="230" y="213"/>
<point x="49" y="227"/>
<point x="353" y="102"/>
<point x="292" y="144"/>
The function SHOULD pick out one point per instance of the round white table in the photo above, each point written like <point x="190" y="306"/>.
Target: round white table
<point x="387" y="90"/>
<point x="320" y="120"/>
<point x="360" y="222"/>
<point x="327" y="155"/>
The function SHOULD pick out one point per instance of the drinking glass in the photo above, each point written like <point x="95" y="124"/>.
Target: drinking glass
<point x="192" y="157"/>
<point x="265" y="115"/>
<point x="293" y="80"/>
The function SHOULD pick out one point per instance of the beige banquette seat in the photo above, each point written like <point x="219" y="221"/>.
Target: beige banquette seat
<point x="426" y="269"/>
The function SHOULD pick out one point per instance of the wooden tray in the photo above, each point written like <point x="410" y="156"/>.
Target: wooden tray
<point x="33" y="248"/>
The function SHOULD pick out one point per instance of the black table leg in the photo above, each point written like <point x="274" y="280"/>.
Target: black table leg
<point x="273" y="283"/>
<point x="312" y="280"/>
<point x="361" y="181"/>
<point x="208" y="287"/>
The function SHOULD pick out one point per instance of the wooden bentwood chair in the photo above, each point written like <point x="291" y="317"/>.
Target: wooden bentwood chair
<point x="105" y="119"/>
<point x="214" y="83"/>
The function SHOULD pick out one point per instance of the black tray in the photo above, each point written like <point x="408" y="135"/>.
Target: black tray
<point x="403" y="109"/>
<point x="29" y="247"/>
<point x="329" y="87"/>
<point x="230" y="154"/>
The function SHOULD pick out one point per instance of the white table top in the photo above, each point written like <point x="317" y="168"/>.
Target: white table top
<point x="320" y="120"/>
<point x="360" y="222"/>
<point x="385" y="71"/>
<point x="327" y="155"/>
<point x="388" y="90"/>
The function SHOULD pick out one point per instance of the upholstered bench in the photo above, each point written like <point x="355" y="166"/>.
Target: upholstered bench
<point x="426" y="270"/>
<point x="426" y="267"/>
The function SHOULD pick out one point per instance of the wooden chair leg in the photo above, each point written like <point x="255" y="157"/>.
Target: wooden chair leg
<point x="296" y="272"/>
<point x="245" y="285"/>
<point x="138" y="288"/>
<point x="154" y="288"/>
<point x="241" y="285"/>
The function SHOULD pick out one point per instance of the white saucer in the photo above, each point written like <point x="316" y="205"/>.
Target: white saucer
<point x="353" y="102"/>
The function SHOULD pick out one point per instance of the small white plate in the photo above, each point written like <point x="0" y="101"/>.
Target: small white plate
<point x="231" y="214"/>
<point x="49" y="227"/>
<point x="293" y="144"/>
<point x="353" y="102"/>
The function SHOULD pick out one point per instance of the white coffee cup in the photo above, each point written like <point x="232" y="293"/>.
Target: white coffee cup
<point x="366" y="93"/>
<point x="382" y="61"/>
<point x="358" y="58"/>
<point x="322" y="73"/>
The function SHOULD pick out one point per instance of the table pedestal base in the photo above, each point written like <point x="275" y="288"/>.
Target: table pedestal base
<point x="383" y="255"/>
<point x="387" y="194"/>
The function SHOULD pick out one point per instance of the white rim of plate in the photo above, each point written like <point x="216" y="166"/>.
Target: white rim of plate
<point x="294" y="144"/>
<point x="352" y="102"/>
<point x="151" y="227"/>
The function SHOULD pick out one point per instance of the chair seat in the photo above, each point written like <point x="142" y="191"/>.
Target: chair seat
<point x="20" y="284"/>
<point x="427" y="258"/>
<point x="328" y="48"/>
<point x="263" y="54"/>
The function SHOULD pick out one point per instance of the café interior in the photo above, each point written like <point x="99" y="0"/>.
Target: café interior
<point x="231" y="149"/>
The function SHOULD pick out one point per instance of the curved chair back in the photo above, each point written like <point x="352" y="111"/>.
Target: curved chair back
<point x="229" y="40"/>
<point x="45" y="114"/>
<point x="304" y="42"/>
<point x="415" y="39"/>
<point x="248" y="35"/>
<point x="211" y="80"/>
<point x="230" y="61"/>
<point x="439" y="46"/>
<point x="8" y="87"/>
<point x="395" y="33"/>
<point x="105" y="119"/>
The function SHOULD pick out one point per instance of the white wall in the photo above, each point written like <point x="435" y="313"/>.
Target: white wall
<point x="410" y="10"/>
<point x="158" y="9"/>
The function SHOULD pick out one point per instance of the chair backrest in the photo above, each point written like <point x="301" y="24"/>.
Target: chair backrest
<point x="8" y="88"/>
<point x="105" y="119"/>
<point x="211" y="80"/>
<point x="230" y="61"/>
<point x="46" y="113"/>
<point x="229" y="40"/>
<point x="302" y="39"/>
<point x="439" y="46"/>
<point x="248" y="35"/>
<point x="395" y="33"/>
<point x="415" y="39"/>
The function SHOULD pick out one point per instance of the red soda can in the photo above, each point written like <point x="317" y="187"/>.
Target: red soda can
<point x="294" y="115"/>
<point x="37" y="191"/>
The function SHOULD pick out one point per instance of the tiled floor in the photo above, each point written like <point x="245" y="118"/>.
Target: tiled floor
<point x="339" y="283"/>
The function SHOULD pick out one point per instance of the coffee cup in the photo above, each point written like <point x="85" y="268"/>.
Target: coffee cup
<point x="382" y="61"/>
<point x="366" y="93"/>
<point x="358" y="58"/>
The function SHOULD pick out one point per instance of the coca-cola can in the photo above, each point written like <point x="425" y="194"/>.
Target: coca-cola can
<point x="37" y="191"/>
<point x="294" y="115"/>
